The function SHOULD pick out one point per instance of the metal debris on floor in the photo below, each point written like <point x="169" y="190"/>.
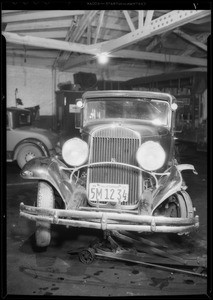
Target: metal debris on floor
<point x="144" y="252"/>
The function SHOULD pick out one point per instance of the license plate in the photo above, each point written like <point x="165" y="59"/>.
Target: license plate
<point x="104" y="192"/>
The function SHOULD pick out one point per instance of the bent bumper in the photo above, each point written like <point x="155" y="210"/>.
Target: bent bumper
<point x="110" y="220"/>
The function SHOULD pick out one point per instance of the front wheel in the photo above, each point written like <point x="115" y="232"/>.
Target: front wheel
<point x="174" y="207"/>
<point x="27" y="152"/>
<point x="45" y="199"/>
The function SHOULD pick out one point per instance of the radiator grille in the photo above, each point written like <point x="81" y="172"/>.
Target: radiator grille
<point x="115" y="144"/>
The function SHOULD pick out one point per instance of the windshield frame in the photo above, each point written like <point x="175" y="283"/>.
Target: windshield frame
<point x="86" y="121"/>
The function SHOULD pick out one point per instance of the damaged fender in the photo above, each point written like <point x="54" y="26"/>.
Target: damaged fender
<point x="51" y="170"/>
<point x="171" y="183"/>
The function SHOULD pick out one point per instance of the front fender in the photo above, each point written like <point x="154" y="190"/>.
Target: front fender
<point x="170" y="184"/>
<point x="50" y="169"/>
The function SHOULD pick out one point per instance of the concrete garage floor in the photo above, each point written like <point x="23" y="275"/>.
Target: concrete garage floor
<point x="55" y="272"/>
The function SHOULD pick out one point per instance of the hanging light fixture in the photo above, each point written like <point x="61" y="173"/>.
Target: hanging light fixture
<point x="103" y="58"/>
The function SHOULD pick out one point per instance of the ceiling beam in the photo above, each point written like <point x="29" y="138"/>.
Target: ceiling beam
<point x="82" y="25"/>
<point x="157" y="40"/>
<point x="202" y="38"/>
<point x="41" y="14"/>
<point x="190" y="39"/>
<point x="140" y="55"/>
<point x="50" y="24"/>
<point x="129" y="20"/>
<point x="89" y="34"/>
<point x="153" y="43"/>
<point x="100" y="22"/>
<point x="60" y="54"/>
<point x="77" y="61"/>
<point x="160" y="25"/>
<point x="73" y="36"/>
<point x="50" y="43"/>
<point x="41" y="25"/>
<point x="55" y="34"/>
<point x="149" y="16"/>
<point x="160" y="57"/>
<point x="140" y="19"/>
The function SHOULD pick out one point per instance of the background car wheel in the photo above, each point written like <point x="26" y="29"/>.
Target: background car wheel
<point x="26" y="153"/>
<point x="45" y="199"/>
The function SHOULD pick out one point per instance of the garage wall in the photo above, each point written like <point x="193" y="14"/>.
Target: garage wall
<point x="35" y="86"/>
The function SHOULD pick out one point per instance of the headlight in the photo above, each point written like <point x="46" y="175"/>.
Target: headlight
<point x="151" y="156"/>
<point x="75" y="152"/>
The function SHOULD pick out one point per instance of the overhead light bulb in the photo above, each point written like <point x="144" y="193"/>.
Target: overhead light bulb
<point x="103" y="58"/>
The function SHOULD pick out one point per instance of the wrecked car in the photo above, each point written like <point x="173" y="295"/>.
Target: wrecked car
<point x="120" y="175"/>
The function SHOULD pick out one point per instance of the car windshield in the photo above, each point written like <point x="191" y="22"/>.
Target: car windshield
<point x="143" y="109"/>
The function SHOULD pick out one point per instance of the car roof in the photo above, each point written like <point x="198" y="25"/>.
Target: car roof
<point x="17" y="109"/>
<point x="124" y="93"/>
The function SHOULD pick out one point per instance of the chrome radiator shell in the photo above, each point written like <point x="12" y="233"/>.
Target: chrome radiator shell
<point x="115" y="144"/>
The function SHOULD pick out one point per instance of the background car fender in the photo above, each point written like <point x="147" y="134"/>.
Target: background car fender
<point x="33" y="141"/>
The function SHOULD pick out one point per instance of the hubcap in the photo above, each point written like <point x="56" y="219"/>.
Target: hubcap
<point x="29" y="156"/>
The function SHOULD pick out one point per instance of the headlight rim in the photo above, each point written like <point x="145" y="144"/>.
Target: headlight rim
<point x="163" y="153"/>
<point x="67" y="160"/>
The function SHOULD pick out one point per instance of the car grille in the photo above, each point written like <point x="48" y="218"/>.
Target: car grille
<point x="116" y="144"/>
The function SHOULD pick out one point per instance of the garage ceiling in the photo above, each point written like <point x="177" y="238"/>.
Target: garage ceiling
<point x="138" y="42"/>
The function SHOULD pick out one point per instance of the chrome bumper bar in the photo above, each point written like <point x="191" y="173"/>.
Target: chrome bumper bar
<point x="109" y="220"/>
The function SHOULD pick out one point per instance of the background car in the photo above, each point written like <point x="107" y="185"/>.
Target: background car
<point x="24" y="141"/>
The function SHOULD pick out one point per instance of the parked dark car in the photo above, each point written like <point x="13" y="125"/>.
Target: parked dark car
<point x="25" y="141"/>
<point x="122" y="174"/>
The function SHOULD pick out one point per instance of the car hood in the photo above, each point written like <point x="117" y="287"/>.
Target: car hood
<point x="36" y="132"/>
<point x="146" y="131"/>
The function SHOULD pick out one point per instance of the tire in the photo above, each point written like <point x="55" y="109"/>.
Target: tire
<point x="27" y="152"/>
<point x="45" y="199"/>
<point x="176" y="207"/>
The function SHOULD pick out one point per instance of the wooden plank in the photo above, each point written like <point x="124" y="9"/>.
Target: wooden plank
<point x="41" y="14"/>
<point x="157" y="40"/>
<point x="77" y="33"/>
<point x="81" y="60"/>
<point x="89" y="34"/>
<point x="50" y="43"/>
<point x="153" y="43"/>
<point x="141" y="55"/>
<point x="160" y="57"/>
<point x="201" y="38"/>
<point x="41" y="25"/>
<point x="85" y="20"/>
<point x="55" y="34"/>
<point x="64" y="23"/>
<point x="158" y="26"/>
<point x="129" y="21"/>
<point x="99" y="26"/>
